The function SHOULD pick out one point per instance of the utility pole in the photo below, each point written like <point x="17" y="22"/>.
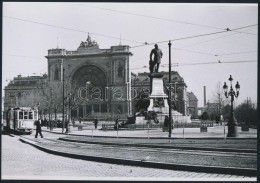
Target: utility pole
<point x="219" y="103"/>
<point x="170" y="93"/>
<point x="63" y="122"/>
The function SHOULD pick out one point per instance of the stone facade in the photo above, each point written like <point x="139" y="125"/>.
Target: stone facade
<point x="23" y="91"/>
<point x="192" y="105"/>
<point x="98" y="79"/>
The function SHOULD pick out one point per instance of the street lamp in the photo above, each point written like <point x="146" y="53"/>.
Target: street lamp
<point x="88" y="85"/>
<point x="69" y="114"/>
<point x="232" y="123"/>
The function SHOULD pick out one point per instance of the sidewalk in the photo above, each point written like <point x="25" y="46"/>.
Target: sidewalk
<point x="212" y="132"/>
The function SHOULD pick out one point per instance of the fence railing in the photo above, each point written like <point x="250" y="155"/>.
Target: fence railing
<point x="193" y="125"/>
<point x="111" y="126"/>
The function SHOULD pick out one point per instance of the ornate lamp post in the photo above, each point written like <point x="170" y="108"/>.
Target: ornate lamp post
<point x="232" y="123"/>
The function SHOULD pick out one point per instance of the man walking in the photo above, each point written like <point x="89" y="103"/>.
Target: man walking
<point x="157" y="58"/>
<point x="95" y="123"/>
<point x="38" y="128"/>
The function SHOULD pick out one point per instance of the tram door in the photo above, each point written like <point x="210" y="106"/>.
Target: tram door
<point x="10" y="121"/>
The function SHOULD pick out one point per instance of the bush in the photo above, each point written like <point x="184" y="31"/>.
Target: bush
<point x="204" y="116"/>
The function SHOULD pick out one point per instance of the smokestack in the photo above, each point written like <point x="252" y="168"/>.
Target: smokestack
<point x="204" y="95"/>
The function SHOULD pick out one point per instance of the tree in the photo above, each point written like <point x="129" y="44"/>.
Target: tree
<point x="204" y="116"/>
<point x="226" y="112"/>
<point x="143" y="101"/>
<point x="51" y="98"/>
<point x="221" y="101"/>
<point x="246" y="113"/>
<point x="220" y="98"/>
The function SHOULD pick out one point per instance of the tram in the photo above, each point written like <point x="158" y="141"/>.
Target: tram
<point x="21" y="120"/>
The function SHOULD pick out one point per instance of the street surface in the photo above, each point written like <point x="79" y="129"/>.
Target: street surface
<point x="23" y="161"/>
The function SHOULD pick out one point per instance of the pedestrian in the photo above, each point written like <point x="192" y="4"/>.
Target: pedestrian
<point x="38" y="128"/>
<point x="73" y="121"/>
<point x="221" y="119"/>
<point x="96" y="123"/>
<point x="116" y="125"/>
<point x="79" y="120"/>
<point x="45" y="122"/>
<point x="157" y="58"/>
<point x="166" y="121"/>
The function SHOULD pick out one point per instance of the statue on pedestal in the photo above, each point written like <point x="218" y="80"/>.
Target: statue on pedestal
<point x="155" y="62"/>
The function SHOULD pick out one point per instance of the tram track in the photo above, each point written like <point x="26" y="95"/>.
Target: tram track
<point x="169" y="146"/>
<point x="151" y="149"/>
<point x="169" y="151"/>
<point x="178" y="159"/>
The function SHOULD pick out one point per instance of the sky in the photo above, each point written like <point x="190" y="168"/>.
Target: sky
<point x="198" y="33"/>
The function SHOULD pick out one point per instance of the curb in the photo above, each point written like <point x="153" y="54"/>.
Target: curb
<point x="99" y="136"/>
<point x="147" y="164"/>
<point x="166" y="147"/>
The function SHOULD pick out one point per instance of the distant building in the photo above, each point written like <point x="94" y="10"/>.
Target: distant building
<point x="192" y="105"/>
<point x="22" y="91"/>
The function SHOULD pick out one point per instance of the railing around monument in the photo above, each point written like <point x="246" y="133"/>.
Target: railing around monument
<point x="194" y="125"/>
<point x="110" y="126"/>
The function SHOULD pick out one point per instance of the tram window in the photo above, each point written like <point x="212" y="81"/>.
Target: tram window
<point x="30" y="115"/>
<point x="25" y="115"/>
<point x="20" y="115"/>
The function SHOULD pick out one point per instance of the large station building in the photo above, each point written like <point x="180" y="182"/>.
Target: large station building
<point x="96" y="83"/>
<point x="97" y="78"/>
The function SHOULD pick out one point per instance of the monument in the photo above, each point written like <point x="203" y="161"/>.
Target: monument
<point x="158" y="98"/>
<point x="157" y="107"/>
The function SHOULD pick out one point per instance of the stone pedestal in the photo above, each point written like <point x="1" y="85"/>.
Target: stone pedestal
<point x="158" y="99"/>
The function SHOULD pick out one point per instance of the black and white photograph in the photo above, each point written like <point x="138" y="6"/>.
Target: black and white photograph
<point x="126" y="91"/>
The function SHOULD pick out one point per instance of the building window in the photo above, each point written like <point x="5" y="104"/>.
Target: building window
<point x="119" y="109"/>
<point x="88" y="109"/>
<point x="120" y="70"/>
<point x="96" y="107"/>
<point x="104" y="108"/>
<point x="56" y="73"/>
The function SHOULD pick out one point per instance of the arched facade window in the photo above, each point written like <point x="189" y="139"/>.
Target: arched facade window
<point x="120" y="70"/>
<point x="56" y="73"/>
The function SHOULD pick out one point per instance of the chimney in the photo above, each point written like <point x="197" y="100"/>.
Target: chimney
<point x="204" y="95"/>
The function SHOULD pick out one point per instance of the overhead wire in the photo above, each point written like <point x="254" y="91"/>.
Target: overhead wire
<point x="195" y="36"/>
<point x="112" y="37"/>
<point x="178" y="39"/>
<point x="65" y="28"/>
<point x="143" y="44"/>
<point x="207" y="63"/>
<point x="235" y="53"/>
<point x="197" y="43"/>
<point x="165" y="19"/>
<point x="13" y="55"/>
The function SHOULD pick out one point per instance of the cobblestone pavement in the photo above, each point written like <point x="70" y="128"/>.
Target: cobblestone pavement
<point x="22" y="161"/>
